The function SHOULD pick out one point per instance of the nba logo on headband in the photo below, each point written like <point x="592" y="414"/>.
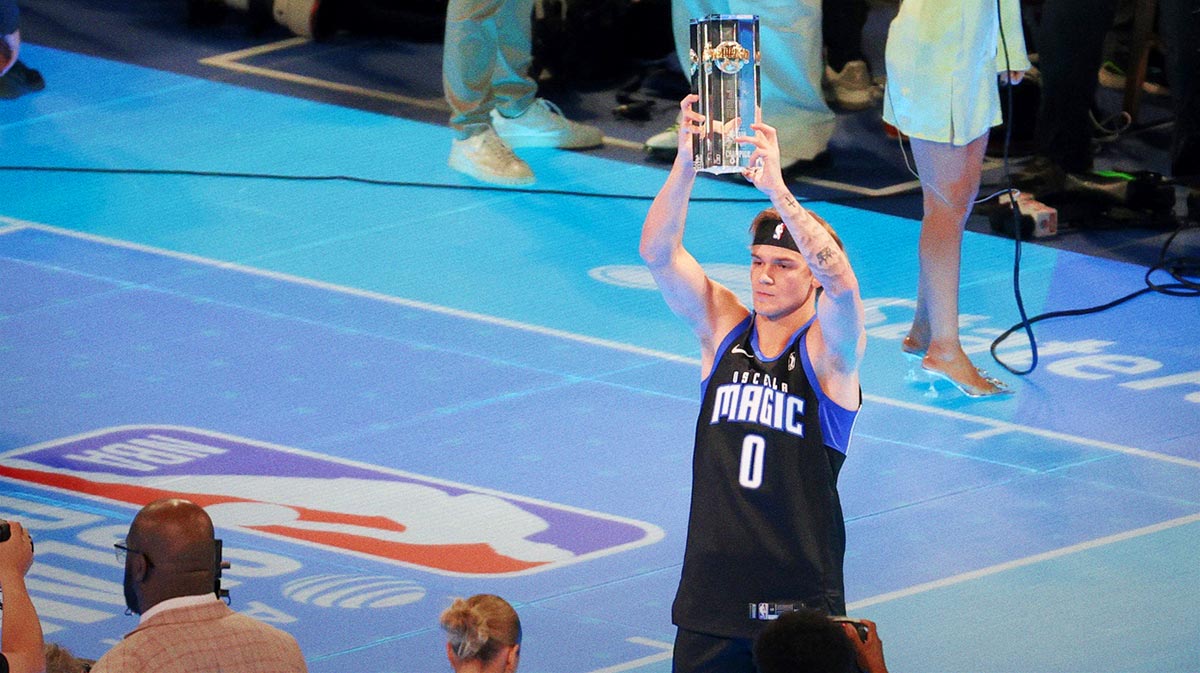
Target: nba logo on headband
<point x="778" y="235"/>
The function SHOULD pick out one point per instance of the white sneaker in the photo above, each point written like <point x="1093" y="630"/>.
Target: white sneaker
<point x="543" y="125"/>
<point x="664" y="145"/>
<point x="484" y="156"/>
<point x="852" y="88"/>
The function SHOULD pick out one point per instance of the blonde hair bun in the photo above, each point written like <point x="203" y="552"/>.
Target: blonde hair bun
<point x="478" y="626"/>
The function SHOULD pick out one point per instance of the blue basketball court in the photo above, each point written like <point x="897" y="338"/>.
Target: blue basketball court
<point x="391" y="394"/>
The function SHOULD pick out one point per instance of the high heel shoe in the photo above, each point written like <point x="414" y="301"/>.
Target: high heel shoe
<point x="995" y="387"/>
<point x="919" y="372"/>
<point x="914" y="354"/>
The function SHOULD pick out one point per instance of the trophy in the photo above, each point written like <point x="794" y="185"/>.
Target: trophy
<point x="724" y="68"/>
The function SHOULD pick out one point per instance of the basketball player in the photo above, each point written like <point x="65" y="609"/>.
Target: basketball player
<point x="780" y="392"/>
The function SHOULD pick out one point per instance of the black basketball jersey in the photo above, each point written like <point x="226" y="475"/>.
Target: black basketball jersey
<point x="766" y="523"/>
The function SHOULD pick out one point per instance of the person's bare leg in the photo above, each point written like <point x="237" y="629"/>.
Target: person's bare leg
<point x="949" y="183"/>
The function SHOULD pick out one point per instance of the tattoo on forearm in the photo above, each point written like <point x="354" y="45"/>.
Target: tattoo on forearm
<point x="809" y="233"/>
<point x="825" y="256"/>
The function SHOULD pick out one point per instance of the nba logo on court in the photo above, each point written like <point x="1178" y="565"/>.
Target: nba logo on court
<point x="315" y="500"/>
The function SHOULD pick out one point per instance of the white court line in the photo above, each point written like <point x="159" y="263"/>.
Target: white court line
<point x="995" y="426"/>
<point x="890" y="190"/>
<point x="944" y="582"/>
<point x="1018" y="563"/>
<point x="232" y="61"/>
<point x="627" y="144"/>
<point x="343" y="289"/>
<point x="255" y="51"/>
<point x="643" y="661"/>
<point x="1001" y="427"/>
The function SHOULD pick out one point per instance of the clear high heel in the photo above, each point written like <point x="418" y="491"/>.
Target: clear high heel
<point x="914" y="354"/>
<point x="997" y="387"/>
<point x="919" y="372"/>
<point x="914" y="373"/>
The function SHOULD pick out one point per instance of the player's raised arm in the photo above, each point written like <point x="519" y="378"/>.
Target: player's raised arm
<point x="842" y="317"/>
<point x="708" y="307"/>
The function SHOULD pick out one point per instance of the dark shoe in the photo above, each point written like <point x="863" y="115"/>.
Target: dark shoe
<point x="1040" y="176"/>
<point x="851" y="88"/>
<point x="20" y="80"/>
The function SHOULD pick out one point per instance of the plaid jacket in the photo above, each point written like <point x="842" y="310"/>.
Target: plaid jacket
<point x="200" y="639"/>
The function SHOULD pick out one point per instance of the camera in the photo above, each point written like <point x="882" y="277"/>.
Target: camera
<point x="859" y="626"/>
<point x="6" y="532"/>
<point x="772" y="611"/>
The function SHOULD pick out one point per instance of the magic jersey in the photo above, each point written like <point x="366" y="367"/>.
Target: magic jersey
<point x="766" y="522"/>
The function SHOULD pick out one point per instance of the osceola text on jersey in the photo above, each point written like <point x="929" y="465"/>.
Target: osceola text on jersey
<point x="754" y="397"/>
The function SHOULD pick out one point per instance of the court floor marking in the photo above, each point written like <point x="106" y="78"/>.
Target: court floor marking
<point x="233" y="61"/>
<point x="956" y="579"/>
<point x="944" y="582"/>
<point x="356" y="292"/>
<point x="890" y="190"/>
<point x="13" y="225"/>
<point x="998" y="427"/>
<point x="1026" y="561"/>
<point x="994" y="426"/>
<point x="667" y="653"/>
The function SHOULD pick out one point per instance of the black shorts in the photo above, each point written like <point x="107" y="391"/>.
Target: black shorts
<point x="704" y="653"/>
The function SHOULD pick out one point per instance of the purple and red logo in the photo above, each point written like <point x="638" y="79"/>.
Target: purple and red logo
<point x="317" y="500"/>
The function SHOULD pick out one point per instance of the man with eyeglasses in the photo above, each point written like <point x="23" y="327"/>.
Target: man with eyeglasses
<point x="170" y="567"/>
<point x="21" y="644"/>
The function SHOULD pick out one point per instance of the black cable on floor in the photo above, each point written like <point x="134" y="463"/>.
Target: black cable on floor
<point x="1016" y="213"/>
<point x="757" y="198"/>
<point x="1181" y="269"/>
<point x="1185" y="271"/>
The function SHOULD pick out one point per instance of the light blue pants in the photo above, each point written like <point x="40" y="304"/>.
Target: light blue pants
<point x="485" y="61"/>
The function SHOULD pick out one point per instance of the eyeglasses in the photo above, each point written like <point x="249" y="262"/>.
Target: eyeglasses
<point x="122" y="551"/>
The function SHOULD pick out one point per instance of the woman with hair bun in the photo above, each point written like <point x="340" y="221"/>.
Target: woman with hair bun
<point x="483" y="635"/>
